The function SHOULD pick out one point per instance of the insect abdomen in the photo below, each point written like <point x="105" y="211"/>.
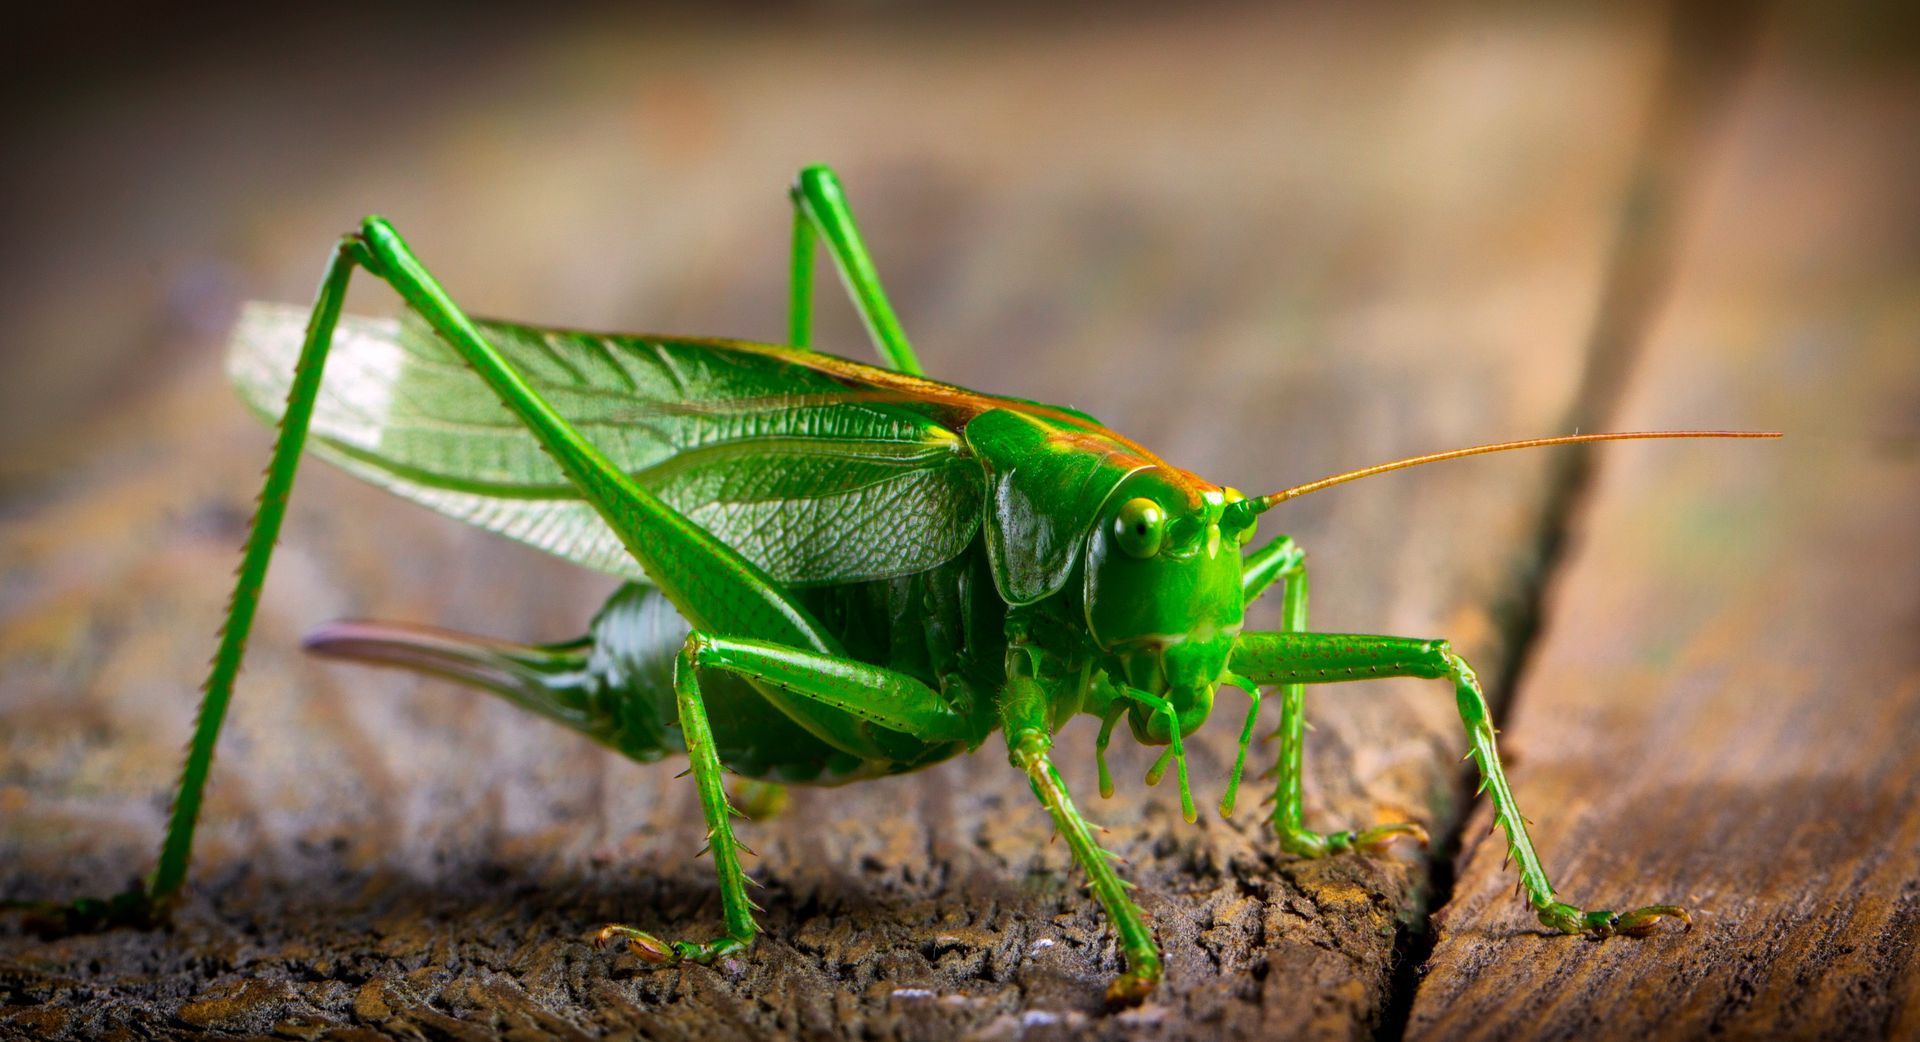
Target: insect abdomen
<point x="943" y="626"/>
<point x="614" y="685"/>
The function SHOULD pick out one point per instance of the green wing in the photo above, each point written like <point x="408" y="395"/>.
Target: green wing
<point x="808" y="474"/>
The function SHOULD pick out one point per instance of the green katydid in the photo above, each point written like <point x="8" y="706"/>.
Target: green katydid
<point x="837" y="571"/>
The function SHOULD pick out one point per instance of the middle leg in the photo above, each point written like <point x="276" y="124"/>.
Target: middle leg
<point x="1289" y="772"/>
<point x="871" y="694"/>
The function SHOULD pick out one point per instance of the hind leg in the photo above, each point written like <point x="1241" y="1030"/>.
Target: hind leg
<point x="820" y="211"/>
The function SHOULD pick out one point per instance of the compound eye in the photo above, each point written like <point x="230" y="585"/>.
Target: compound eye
<point x="1140" y="527"/>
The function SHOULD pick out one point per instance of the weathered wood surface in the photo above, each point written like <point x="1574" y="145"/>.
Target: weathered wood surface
<point x="1725" y="707"/>
<point x="1267" y="277"/>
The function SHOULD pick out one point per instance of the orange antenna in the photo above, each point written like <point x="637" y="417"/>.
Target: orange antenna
<point x="1267" y="502"/>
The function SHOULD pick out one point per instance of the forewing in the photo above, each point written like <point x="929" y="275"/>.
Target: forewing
<point x="805" y="473"/>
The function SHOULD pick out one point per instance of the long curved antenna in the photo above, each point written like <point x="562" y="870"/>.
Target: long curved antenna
<point x="1267" y="502"/>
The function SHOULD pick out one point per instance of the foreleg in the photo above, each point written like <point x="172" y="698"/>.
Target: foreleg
<point x="1319" y="658"/>
<point x="1023" y="714"/>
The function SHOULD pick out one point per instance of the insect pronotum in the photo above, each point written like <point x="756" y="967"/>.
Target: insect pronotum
<point x="773" y="508"/>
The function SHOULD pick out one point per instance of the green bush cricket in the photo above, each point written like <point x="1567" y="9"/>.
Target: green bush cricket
<point x="836" y="571"/>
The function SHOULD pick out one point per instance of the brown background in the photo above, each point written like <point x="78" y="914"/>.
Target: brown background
<point x="1272" y="244"/>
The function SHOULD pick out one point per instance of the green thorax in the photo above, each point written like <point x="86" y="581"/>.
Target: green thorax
<point x="1049" y="473"/>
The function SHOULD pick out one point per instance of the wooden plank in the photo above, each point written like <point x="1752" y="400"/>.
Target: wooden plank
<point x="1723" y="710"/>
<point x="1237" y="276"/>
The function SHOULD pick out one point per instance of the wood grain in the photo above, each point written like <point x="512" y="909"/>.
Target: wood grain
<point x="1269" y="244"/>
<point x="1723" y="710"/>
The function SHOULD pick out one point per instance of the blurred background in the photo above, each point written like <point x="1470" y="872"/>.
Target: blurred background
<point x="1271" y="241"/>
<point x="164" y="166"/>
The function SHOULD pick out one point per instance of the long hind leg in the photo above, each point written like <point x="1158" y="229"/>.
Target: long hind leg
<point x="150" y="900"/>
<point x="708" y="582"/>
<point x="820" y="211"/>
